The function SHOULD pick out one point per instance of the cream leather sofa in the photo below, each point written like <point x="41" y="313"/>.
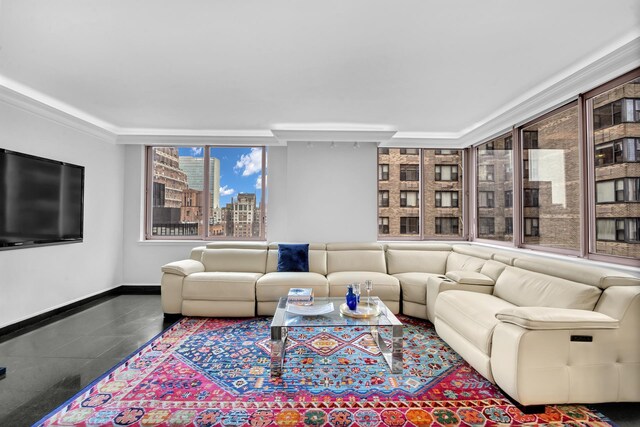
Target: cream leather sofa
<point x="549" y="332"/>
<point x="545" y="331"/>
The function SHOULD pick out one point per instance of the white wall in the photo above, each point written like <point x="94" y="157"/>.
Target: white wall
<point x="37" y="279"/>
<point x="315" y="194"/>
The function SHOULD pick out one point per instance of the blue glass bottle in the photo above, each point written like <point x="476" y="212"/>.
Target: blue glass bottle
<point x="352" y="298"/>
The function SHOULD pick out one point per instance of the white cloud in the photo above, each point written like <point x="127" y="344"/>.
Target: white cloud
<point x="250" y="163"/>
<point x="259" y="183"/>
<point x="197" y="151"/>
<point x="226" y="191"/>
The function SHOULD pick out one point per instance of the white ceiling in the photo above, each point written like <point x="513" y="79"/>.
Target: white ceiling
<point x="419" y="67"/>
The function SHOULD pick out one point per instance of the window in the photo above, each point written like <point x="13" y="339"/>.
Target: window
<point x="485" y="172"/>
<point x="446" y="173"/>
<point x="383" y="199"/>
<point x="409" y="225"/>
<point x="409" y="172"/>
<point x="446" y="199"/>
<point x="383" y="151"/>
<point x="446" y="225"/>
<point x="618" y="190"/>
<point x="508" y="143"/>
<point x="531" y="227"/>
<point x="183" y="203"/>
<point x="420" y="186"/>
<point x="508" y="199"/>
<point x="508" y="225"/>
<point x="486" y="226"/>
<point x="408" y="199"/>
<point x="485" y="199"/>
<point x="383" y="172"/>
<point x="531" y="197"/>
<point x="624" y="150"/>
<point x="618" y="230"/>
<point x="383" y="225"/>
<point x="624" y="110"/>
<point x="551" y="145"/>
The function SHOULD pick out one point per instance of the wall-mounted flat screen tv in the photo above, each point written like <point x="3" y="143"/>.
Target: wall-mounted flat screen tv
<point x="41" y="201"/>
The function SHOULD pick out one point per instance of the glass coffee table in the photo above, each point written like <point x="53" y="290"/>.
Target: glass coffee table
<point x="380" y="325"/>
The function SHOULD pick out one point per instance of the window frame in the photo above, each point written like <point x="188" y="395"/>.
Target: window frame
<point x="204" y="236"/>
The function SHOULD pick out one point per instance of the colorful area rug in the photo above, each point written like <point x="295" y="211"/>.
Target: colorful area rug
<point x="215" y="372"/>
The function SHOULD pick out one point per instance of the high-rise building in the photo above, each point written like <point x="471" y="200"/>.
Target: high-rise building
<point x="168" y="177"/>
<point x="194" y="167"/>
<point x="241" y="216"/>
<point x="616" y="139"/>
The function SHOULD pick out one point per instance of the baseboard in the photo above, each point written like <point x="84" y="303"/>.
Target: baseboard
<point x="26" y="325"/>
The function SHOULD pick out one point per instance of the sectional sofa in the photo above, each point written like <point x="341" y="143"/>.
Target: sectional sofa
<point x="545" y="331"/>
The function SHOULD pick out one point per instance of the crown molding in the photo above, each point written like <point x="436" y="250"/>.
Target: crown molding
<point x="333" y="135"/>
<point x="177" y="137"/>
<point x="46" y="110"/>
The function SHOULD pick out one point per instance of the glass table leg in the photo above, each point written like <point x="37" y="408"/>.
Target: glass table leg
<point x="392" y="354"/>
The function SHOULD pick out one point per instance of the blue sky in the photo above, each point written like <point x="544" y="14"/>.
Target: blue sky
<point x="240" y="170"/>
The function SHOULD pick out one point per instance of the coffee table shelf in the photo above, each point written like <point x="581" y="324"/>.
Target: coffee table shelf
<point x="379" y="327"/>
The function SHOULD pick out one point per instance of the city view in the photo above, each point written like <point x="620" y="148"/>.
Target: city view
<point x="207" y="194"/>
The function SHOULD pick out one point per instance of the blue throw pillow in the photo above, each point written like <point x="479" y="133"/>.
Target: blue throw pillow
<point x="293" y="257"/>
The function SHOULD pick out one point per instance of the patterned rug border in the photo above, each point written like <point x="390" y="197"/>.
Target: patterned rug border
<point x="431" y="404"/>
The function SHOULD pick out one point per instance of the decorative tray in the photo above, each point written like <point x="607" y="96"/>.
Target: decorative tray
<point x="363" y="310"/>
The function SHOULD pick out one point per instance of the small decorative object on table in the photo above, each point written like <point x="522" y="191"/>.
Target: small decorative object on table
<point x="368" y="285"/>
<point x="352" y="298"/>
<point x="300" y="296"/>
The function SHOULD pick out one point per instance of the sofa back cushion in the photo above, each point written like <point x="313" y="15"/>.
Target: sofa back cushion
<point x="238" y="260"/>
<point x="317" y="258"/>
<point x="355" y="257"/>
<point x="420" y="261"/>
<point x="457" y="261"/>
<point x="531" y="289"/>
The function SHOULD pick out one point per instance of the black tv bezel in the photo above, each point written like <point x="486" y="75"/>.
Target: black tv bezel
<point x="37" y="244"/>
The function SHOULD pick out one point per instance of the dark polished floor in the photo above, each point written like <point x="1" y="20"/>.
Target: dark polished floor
<point x="49" y="364"/>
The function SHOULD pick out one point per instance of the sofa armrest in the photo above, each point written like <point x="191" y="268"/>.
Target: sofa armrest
<point x="184" y="267"/>
<point x="470" y="278"/>
<point x="547" y="318"/>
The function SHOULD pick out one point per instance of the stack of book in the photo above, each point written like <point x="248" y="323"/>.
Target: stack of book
<point x="300" y="296"/>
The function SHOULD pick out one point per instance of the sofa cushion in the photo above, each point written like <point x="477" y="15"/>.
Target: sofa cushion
<point x="384" y="286"/>
<point x="457" y="261"/>
<point x="469" y="278"/>
<point x="293" y="257"/>
<point x="343" y="258"/>
<point x="421" y="261"/>
<point x="272" y="286"/>
<point x="546" y="318"/>
<point x="183" y="267"/>
<point x="235" y="260"/>
<point x="472" y="315"/>
<point x="317" y="258"/>
<point x="530" y="289"/>
<point x="220" y="286"/>
<point x="493" y="269"/>
<point x="414" y="286"/>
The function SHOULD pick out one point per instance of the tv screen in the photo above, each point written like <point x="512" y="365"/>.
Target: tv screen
<point x="41" y="201"/>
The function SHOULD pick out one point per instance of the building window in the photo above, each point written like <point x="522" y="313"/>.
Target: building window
<point x="508" y="199"/>
<point x="486" y="172"/>
<point x="184" y="203"/>
<point x="383" y="172"/>
<point x="445" y="152"/>
<point x="409" y="172"/>
<point x="412" y="151"/>
<point x="618" y="190"/>
<point x="485" y="199"/>
<point x="383" y="225"/>
<point x="625" y="150"/>
<point x="408" y="199"/>
<point x="531" y="197"/>
<point x="508" y="225"/>
<point x="618" y="230"/>
<point x="446" y="225"/>
<point x="531" y="227"/>
<point x="383" y="199"/>
<point x="530" y="139"/>
<point x="486" y="226"/>
<point x="508" y="143"/>
<point x="446" y="199"/>
<point x="446" y="172"/>
<point x="409" y="225"/>
<point x="383" y="151"/>
<point x="624" y="110"/>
